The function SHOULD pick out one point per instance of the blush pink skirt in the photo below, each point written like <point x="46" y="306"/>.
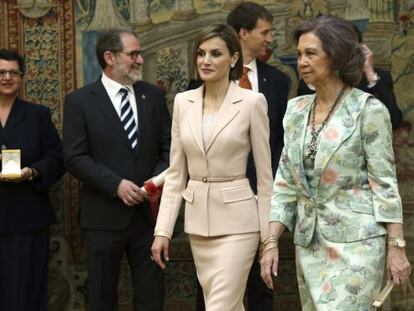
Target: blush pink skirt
<point x="223" y="264"/>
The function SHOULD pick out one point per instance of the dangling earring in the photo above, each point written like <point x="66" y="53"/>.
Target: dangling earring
<point x="337" y="73"/>
<point x="232" y="65"/>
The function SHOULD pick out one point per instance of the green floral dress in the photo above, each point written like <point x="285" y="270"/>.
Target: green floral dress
<point x="337" y="276"/>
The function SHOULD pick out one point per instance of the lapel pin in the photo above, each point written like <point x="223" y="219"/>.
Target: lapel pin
<point x="264" y="80"/>
<point x="143" y="96"/>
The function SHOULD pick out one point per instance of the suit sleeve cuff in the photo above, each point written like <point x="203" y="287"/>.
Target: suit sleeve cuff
<point x="163" y="234"/>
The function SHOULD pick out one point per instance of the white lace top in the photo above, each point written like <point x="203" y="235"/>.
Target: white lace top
<point x="208" y="119"/>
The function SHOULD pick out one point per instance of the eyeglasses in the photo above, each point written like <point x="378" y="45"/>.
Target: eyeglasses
<point x="133" y="54"/>
<point x="14" y="74"/>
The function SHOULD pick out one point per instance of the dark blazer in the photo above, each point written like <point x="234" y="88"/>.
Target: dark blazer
<point x="25" y="206"/>
<point x="97" y="152"/>
<point x="383" y="90"/>
<point x="274" y="85"/>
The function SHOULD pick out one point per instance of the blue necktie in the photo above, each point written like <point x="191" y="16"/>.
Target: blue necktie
<point x="127" y="119"/>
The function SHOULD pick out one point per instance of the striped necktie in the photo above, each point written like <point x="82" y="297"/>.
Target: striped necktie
<point x="127" y="119"/>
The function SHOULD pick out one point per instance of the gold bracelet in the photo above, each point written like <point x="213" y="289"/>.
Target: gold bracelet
<point x="270" y="238"/>
<point x="272" y="243"/>
<point x="396" y="241"/>
<point x="269" y="248"/>
<point x="163" y="234"/>
<point x="269" y="243"/>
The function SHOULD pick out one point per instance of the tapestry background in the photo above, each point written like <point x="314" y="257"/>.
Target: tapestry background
<point x="58" y="39"/>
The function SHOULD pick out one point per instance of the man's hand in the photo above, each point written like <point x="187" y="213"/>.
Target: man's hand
<point x="130" y="193"/>
<point x="369" y="61"/>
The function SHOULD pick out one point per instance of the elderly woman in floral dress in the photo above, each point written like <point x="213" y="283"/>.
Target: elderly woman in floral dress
<point x="336" y="185"/>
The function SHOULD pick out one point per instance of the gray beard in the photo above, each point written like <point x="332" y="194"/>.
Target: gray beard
<point x="135" y="77"/>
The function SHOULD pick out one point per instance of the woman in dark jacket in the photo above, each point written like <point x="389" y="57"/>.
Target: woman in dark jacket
<point x="25" y="209"/>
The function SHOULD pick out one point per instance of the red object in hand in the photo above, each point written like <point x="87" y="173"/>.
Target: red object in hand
<point x="154" y="188"/>
<point x="150" y="187"/>
<point x="154" y="193"/>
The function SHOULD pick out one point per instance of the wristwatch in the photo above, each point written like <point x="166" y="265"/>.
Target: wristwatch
<point x="396" y="241"/>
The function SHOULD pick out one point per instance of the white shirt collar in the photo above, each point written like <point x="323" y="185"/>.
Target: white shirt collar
<point x="252" y="65"/>
<point x="253" y="75"/>
<point x="112" y="87"/>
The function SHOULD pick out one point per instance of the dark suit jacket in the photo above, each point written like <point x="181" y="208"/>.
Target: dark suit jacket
<point x="383" y="90"/>
<point x="25" y="206"/>
<point x="97" y="152"/>
<point x="274" y="85"/>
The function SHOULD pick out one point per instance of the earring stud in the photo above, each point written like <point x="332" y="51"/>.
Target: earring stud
<point x="232" y="65"/>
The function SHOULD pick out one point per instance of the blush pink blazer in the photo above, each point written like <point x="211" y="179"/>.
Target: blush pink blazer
<point x="218" y="208"/>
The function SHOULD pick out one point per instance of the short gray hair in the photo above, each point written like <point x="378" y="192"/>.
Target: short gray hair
<point x="340" y="41"/>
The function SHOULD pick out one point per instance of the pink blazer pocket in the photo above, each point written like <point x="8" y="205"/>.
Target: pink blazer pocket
<point x="235" y="194"/>
<point x="188" y="195"/>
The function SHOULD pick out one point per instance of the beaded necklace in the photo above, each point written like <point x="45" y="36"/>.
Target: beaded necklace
<point x="312" y="147"/>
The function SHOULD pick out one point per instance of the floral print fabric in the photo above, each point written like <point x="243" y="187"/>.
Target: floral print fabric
<point x="339" y="204"/>
<point x="355" y="186"/>
<point x="340" y="276"/>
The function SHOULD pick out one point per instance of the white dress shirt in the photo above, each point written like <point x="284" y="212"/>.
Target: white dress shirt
<point x="112" y="88"/>
<point x="252" y="75"/>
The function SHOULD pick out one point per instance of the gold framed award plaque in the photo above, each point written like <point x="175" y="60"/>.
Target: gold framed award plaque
<point x="10" y="163"/>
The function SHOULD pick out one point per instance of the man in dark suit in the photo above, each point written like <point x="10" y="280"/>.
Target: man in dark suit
<point x="253" y="24"/>
<point x="117" y="136"/>
<point x="375" y="81"/>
